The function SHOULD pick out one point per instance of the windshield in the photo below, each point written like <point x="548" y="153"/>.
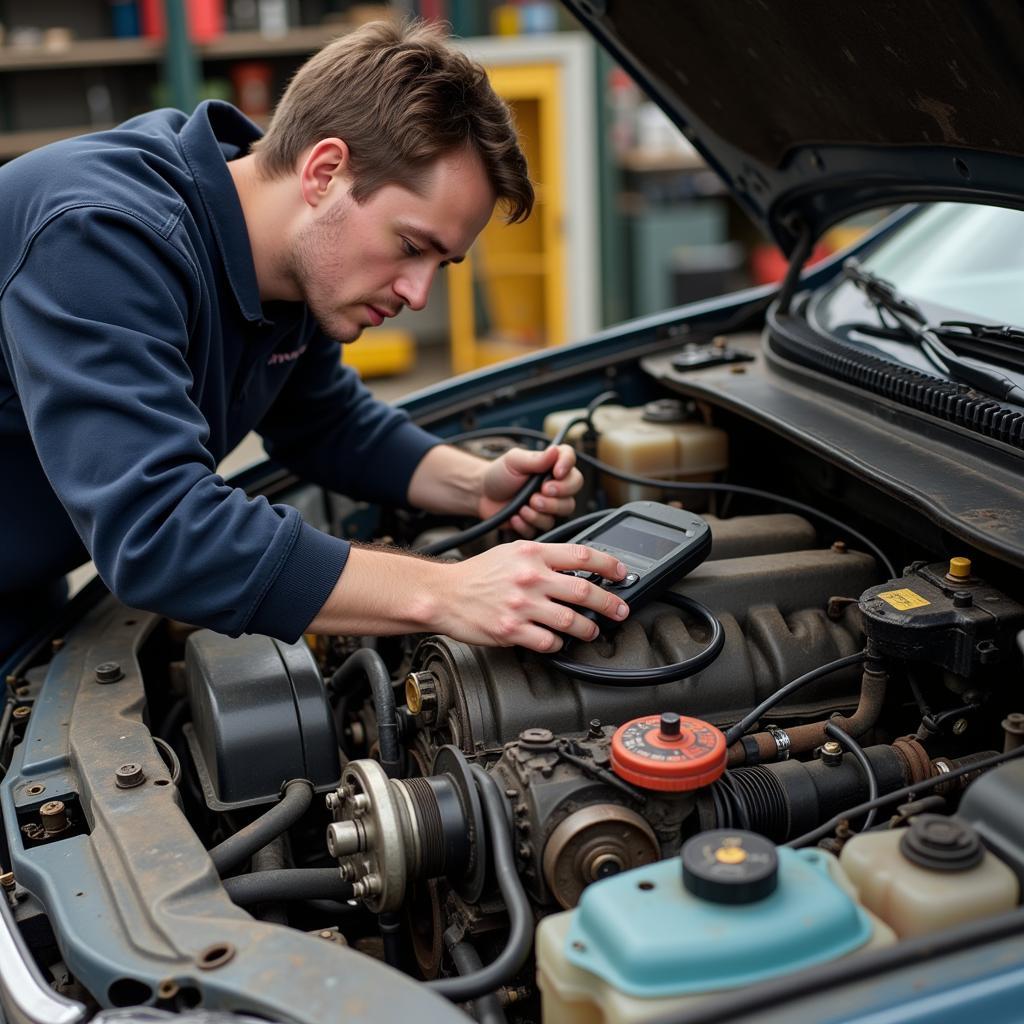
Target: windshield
<point x="955" y="260"/>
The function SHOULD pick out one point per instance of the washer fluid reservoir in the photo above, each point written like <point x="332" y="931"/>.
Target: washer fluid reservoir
<point x="932" y="875"/>
<point x="732" y="910"/>
<point x="653" y="440"/>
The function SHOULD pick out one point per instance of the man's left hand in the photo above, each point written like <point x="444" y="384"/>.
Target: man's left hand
<point x="509" y="473"/>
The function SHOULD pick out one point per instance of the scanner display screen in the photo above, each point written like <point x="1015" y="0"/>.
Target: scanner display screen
<point x="640" y="536"/>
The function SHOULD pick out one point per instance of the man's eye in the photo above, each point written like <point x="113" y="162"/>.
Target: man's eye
<point x="409" y="249"/>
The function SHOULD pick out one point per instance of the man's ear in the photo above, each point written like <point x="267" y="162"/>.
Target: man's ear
<point x="324" y="168"/>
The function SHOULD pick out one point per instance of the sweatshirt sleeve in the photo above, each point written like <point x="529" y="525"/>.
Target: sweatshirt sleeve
<point x="95" y="327"/>
<point x="326" y="426"/>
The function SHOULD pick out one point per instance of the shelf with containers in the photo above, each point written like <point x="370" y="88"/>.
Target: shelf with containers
<point x="63" y="73"/>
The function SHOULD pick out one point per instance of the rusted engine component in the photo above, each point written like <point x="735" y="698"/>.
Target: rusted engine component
<point x="773" y="608"/>
<point x="575" y="821"/>
<point x="801" y="739"/>
<point x="54" y="820"/>
<point x="593" y="843"/>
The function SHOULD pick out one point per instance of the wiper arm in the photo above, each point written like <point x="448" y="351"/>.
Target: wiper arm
<point x="915" y="326"/>
<point x="983" y="332"/>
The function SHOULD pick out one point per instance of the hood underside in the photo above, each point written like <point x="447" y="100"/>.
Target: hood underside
<point x="812" y="111"/>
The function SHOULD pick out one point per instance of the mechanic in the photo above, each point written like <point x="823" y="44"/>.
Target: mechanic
<point x="173" y="283"/>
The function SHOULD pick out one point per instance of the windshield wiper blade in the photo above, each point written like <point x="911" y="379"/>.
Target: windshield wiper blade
<point x="983" y="332"/>
<point x="880" y="291"/>
<point x="915" y="326"/>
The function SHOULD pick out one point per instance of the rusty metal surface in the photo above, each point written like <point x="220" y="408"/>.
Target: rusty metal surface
<point x="137" y="898"/>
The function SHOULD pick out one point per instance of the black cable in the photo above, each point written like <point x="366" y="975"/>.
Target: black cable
<point x="331" y="907"/>
<point x="520" y="929"/>
<point x="389" y="924"/>
<point x="663" y="673"/>
<point x="679" y="485"/>
<point x="273" y="857"/>
<point x="170" y="758"/>
<point x="912" y="791"/>
<point x="527" y="491"/>
<point x="173" y="719"/>
<point x="287" y="884"/>
<point x="487" y="1008"/>
<point x="570" y="528"/>
<point x="238" y="848"/>
<point x="737" y="731"/>
<point x="367" y="663"/>
<point x="799" y="256"/>
<point x="641" y="676"/>
<point x="854" y="748"/>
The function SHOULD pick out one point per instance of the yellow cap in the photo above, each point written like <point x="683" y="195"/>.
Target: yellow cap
<point x="960" y="568"/>
<point x="413" y="694"/>
<point x="730" y="855"/>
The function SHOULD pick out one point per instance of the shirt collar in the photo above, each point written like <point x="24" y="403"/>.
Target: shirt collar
<point x="215" y="133"/>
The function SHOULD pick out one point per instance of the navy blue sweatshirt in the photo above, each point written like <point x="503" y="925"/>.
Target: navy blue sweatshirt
<point x="136" y="354"/>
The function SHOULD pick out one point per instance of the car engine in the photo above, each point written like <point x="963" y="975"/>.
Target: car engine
<point x="440" y="807"/>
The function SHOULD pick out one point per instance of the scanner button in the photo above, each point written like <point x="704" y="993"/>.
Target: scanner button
<point x="627" y="581"/>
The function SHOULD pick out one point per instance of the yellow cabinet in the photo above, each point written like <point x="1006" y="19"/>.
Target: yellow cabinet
<point x="506" y="298"/>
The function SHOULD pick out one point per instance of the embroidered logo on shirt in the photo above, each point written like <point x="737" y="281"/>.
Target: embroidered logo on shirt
<point x="285" y="357"/>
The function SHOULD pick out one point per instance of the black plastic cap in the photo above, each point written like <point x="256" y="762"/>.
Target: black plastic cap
<point x="669" y="725"/>
<point x="730" y="866"/>
<point x="941" y="844"/>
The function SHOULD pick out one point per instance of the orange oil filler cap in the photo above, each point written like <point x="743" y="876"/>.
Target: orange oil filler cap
<point x="668" y="752"/>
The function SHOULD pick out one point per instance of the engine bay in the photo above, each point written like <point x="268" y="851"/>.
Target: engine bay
<point x="831" y="783"/>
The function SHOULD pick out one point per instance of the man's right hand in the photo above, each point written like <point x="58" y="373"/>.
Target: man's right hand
<point x="521" y="593"/>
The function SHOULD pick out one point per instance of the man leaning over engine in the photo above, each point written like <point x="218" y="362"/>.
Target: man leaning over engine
<point x="175" y="282"/>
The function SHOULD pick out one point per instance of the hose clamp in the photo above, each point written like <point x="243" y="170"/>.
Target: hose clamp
<point x="783" y="744"/>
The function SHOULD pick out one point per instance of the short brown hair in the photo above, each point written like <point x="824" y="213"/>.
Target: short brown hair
<point x="401" y="98"/>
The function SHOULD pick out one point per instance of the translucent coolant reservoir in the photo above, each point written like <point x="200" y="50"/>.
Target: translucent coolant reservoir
<point x="653" y="441"/>
<point x="932" y="875"/>
<point x="656" y="940"/>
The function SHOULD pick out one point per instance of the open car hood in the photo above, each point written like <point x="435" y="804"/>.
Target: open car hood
<point x="811" y="112"/>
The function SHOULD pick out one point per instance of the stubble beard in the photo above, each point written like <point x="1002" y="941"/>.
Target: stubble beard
<point x="314" y="259"/>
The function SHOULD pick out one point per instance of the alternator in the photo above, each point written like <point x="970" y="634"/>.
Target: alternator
<point x="389" y="832"/>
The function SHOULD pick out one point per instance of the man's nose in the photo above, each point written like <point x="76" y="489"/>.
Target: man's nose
<point x="413" y="288"/>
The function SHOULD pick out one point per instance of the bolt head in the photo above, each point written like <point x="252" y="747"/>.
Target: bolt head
<point x="129" y="775"/>
<point x="960" y="726"/>
<point x="536" y="737"/>
<point x="344" y="838"/>
<point x="21" y="712"/>
<point x="108" y="672"/>
<point x="832" y="753"/>
<point x="53" y="815"/>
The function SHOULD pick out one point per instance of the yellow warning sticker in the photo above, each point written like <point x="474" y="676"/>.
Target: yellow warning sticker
<point x="903" y="600"/>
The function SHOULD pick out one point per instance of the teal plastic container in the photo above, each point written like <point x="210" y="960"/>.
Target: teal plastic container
<point x="646" y="935"/>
